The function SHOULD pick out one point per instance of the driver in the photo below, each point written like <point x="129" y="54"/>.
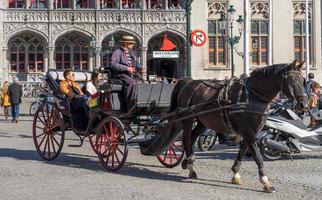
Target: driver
<point x="126" y="68"/>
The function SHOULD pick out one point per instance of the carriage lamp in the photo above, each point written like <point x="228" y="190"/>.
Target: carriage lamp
<point x="231" y="39"/>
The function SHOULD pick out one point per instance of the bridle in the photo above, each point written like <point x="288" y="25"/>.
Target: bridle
<point x="285" y="79"/>
<point x="291" y="90"/>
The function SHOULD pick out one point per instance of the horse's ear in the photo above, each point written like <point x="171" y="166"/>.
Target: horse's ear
<point x="292" y="66"/>
<point x="300" y="65"/>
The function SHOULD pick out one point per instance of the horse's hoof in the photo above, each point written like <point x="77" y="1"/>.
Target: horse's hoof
<point x="236" y="181"/>
<point x="269" y="189"/>
<point x="193" y="175"/>
<point x="184" y="164"/>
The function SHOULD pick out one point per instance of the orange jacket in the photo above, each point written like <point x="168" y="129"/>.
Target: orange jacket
<point x="70" y="89"/>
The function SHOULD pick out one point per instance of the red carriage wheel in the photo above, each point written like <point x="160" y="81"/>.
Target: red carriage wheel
<point x="48" y="131"/>
<point x="92" y="141"/>
<point x="111" y="143"/>
<point x="173" y="155"/>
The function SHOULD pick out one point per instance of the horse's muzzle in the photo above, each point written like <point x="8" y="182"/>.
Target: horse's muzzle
<point x="302" y="103"/>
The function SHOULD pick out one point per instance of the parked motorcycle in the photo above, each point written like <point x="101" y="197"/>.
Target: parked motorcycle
<point x="286" y="134"/>
<point x="207" y="140"/>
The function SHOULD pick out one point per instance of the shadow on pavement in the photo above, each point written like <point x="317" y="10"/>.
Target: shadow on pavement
<point x="140" y="172"/>
<point x="69" y="160"/>
<point x="130" y="169"/>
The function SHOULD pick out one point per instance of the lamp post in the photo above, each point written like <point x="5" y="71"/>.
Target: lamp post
<point x="231" y="40"/>
<point x="187" y="7"/>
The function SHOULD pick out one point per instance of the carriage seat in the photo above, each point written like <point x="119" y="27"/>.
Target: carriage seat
<point x="116" y="85"/>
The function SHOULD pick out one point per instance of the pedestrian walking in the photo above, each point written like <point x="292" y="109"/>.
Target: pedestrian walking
<point x="308" y="83"/>
<point x="5" y="100"/>
<point x="15" y="94"/>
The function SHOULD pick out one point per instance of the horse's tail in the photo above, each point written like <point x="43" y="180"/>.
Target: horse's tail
<point x="175" y="94"/>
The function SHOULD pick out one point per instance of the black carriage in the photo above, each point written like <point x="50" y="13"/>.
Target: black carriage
<point x="109" y="132"/>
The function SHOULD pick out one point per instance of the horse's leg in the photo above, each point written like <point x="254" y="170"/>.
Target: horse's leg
<point x="236" y="167"/>
<point x="188" y="146"/>
<point x="252" y="144"/>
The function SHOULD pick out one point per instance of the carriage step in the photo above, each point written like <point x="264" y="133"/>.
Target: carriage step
<point x="137" y="140"/>
<point x="81" y="138"/>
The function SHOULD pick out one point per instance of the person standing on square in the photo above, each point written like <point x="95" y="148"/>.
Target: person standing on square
<point x="15" y="94"/>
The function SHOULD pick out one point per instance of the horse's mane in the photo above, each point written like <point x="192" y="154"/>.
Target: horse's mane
<point x="269" y="70"/>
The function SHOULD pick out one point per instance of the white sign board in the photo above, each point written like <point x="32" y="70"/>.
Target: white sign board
<point x="165" y="54"/>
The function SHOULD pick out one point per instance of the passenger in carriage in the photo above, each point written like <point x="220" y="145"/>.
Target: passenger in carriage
<point x="72" y="90"/>
<point x="91" y="87"/>
<point x="126" y="68"/>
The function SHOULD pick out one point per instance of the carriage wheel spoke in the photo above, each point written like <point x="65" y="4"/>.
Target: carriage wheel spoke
<point x="53" y="145"/>
<point x="55" y="140"/>
<point x="117" y="158"/>
<point x="41" y="128"/>
<point x="42" y="140"/>
<point x="48" y="145"/>
<point x="165" y="155"/>
<point x="175" y="155"/>
<point x="45" y="145"/>
<point x="40" y="135"/>
<point x="113" y="153"/>
<point x="119" y="150"/>
<point x="177" y="147"/>
<point x="41" y="120"/>
<point x="170" y="153"/>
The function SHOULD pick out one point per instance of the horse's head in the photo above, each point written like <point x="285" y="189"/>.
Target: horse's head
<point x="293" y="86"/>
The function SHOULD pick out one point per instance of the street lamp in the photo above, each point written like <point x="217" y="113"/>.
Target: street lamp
<point x="231" y="40"/>
<point x="187" y="7"/>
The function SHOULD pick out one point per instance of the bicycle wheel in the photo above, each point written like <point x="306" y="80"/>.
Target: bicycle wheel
<point x="33" y="108"/>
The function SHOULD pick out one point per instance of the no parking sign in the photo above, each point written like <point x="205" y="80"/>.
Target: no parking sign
<point x="198" y="38"/>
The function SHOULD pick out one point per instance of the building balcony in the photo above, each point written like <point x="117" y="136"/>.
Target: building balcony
<point x="95" y="16"/>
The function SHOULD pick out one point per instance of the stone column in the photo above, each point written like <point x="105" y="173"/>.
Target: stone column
<point x="51" y="63"/>
<point x="74" y="4"/>
<point x="5" y="65"/>
<point x="97" y="4"/>
<point x="90" y="60"/>
<point x="144" y="51"/>
<point x="27" y="4"/>
<point x="50" y="4"/>
<point x="149" y="4"/>
<point x="71" y="57"/>
<point x="120" y="5"/>
<point x="98" y="57"/>
<point x="166" y="4"/>
<point x="26" y="60"/>
<point x="45" y="63"/>
<point x="143" y="4"/>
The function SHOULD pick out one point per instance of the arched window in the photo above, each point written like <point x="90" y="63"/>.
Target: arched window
<point x="81" y="56"/>
<point x="16" y="4"/>
<point x="38" y="4"/>
<point x="299" y="33"/>
<point x="217" y="48"/>
<point x="63" y="53"/>
<point x="108" y="4"/>
<point x="259" y="33"/>
<point x="85" y="3"/>
<point x="35" y="56"/>
<point x="62" y="4"/>
<point x="26" y="54"/>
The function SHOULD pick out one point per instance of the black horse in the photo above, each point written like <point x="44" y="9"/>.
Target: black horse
<point x="241" y="109"/>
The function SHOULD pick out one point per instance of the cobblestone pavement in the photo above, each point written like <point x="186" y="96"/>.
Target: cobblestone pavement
<point x="77" y="174"/>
